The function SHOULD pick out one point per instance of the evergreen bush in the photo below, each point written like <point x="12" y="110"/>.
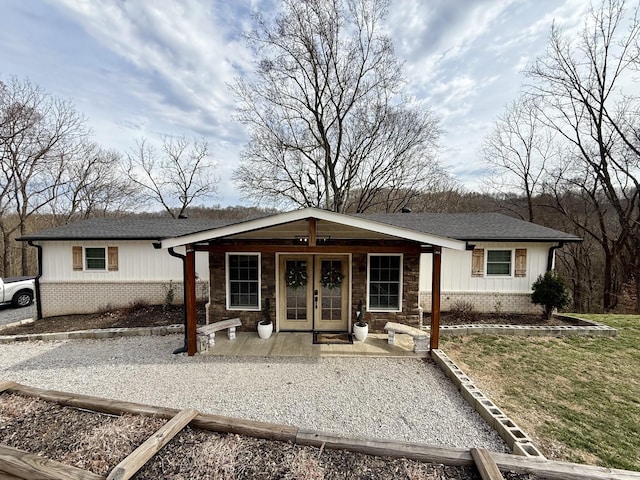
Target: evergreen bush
<point x="550" y="292"/>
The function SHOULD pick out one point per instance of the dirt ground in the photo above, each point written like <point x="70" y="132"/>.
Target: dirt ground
<point x="98" y="442"/>
<point x="161" y="315"/>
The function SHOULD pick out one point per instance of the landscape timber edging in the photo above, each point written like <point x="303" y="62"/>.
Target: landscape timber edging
<point x="541" y="467"/>
<point x="94" y="334"/>
<point x="590" y="329"/>
<point x="519" y="442"/>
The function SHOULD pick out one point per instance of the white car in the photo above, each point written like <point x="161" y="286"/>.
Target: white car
<point x="18" y="291"/>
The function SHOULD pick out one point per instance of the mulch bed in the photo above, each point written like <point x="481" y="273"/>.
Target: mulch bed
<point x="98" y="442"/>
<point x="451" y="318"/>
<point x="135" y="316"/>
<point x="163" y="315"/>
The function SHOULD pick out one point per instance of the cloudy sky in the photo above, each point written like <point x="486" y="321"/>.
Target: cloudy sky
<point x="141" y="68"/>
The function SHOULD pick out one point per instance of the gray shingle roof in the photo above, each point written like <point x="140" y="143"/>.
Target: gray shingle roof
<point x="472" y="226"/>
<point x="126" y="228"/>
<point x="459" y="226"/>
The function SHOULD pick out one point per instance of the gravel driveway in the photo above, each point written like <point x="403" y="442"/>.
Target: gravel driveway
<point x="398" y="399"/>
<point x="9" y="314"/>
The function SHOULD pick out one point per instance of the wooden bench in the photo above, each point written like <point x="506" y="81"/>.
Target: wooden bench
<point x="207" y="333"/>
<point x="420" y="338"/>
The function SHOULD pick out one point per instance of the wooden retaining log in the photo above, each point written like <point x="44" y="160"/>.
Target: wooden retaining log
<point x="128" y="467"/>
<point x="543" y="468"/>
<point x="217" y="423"/>
<point x="485" y="464"/>
<point x="23" y="465"/>
<point x="386" y="448"/>
<point x="6" y="384"/>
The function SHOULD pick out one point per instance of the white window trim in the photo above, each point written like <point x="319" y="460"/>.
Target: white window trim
<point x="391" y="310"/>
<point x="227" y="284"/>
<point x="84" y="259"/>
<point x="511" y="263"/>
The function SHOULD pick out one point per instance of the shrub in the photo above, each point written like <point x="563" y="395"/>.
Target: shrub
<point x="169" y="294"/>
<point x="550" y="292"/>
<point x="464" y="310"/>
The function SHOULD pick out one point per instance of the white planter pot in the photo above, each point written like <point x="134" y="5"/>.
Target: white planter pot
<point x="265" y="331"/>
<point x="360" y="332"/>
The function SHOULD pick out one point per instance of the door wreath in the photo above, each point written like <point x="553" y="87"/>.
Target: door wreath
<point x="296" y="276"/>
<point x="331" y="278"/>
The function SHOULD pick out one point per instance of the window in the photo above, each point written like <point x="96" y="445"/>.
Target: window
<point x="98" y="259"/>
<point x="499" y="263"/>
<point x="95" y="258"/>
<point x="243" y="281"/>
<point x="385" y="282"/>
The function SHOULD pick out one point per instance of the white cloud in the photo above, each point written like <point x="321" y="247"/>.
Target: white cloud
<point x="146" y="67"/>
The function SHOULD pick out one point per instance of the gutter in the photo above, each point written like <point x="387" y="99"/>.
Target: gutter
<point x="37" y="279"/>
<point x="173" y="253"/>
<point x="551" y="255"/>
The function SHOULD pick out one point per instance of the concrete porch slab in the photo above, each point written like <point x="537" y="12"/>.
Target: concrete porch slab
<point x="288" y="344"/>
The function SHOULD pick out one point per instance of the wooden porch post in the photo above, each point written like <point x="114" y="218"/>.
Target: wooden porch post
<point x="190" y="296"/>
<point x="435" y="298"/>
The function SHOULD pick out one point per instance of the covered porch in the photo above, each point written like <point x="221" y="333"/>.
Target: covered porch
<point x="312" y="241"/>
<point x="300" y="344"/>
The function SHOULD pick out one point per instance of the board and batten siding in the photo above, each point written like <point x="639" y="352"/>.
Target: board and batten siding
<point x="143" y="274"/>
<point x="137" y="261"/>
<point x="459" y="281"/>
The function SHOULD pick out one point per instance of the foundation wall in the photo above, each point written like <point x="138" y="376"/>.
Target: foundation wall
<point x="89" y="297"/>
<point x="484" y="302"/>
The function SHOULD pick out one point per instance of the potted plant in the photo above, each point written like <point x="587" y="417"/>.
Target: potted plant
<point x="360" y="327"/>
<point x="265" y="326"/>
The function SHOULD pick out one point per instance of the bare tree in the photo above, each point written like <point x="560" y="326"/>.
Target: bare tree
<point x="181" y="174"/>
<point x="327" y="124"/>
<point x="37" y="133"/>
<point x="517" y="150"/>
<point x="588" y="93"/>
<point x="92" y="185"/>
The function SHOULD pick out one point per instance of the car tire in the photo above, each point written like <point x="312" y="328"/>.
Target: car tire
<point x="22" y="299"/>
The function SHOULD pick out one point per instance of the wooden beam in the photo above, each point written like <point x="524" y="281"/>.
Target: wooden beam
<point x="31" y="467"/>
<point x="435" y="298"/>
<point x="386" y="448"/>
<point x="541" y="467"/>
<point x="485" y="464"/>
<point x="312" y="232"/>
<point x="217" y="423"/>
<point x="128" y="467"/>
<point x="6" y="384"/>
<point x="6" y="476"/>
<point x="322" y="249"/>
<point x="190" y="295"/>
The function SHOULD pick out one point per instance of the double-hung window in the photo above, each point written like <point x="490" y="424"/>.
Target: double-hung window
<point x="95" y="258"/>
<point x="243" y="281"/>
<point x="385" y="283"/>
<point x="499" y="263"/>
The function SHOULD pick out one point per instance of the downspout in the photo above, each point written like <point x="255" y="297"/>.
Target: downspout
<point x="551" y="255"/>
<point x="37" y="279"/>
<point x="173" y="253"/>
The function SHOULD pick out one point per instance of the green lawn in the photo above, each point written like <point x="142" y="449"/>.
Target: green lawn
<point x="578" y="397"/>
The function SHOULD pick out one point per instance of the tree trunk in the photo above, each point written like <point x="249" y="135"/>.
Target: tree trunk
<point x="24" y="254"/>
<point x="607" y="299"/>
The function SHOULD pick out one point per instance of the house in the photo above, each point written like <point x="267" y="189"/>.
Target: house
<point x="313" y="266"/>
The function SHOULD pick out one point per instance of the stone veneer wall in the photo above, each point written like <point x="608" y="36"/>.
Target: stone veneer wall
<point x="218" y="306"/>
<point x="484" y="302"/>
<point x="69" y="298"/>
<point x="409" y="315"/>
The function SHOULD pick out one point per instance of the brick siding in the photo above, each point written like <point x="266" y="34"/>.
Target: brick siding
<point x="88" y="297"/>
<point x="484" y="302"/>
